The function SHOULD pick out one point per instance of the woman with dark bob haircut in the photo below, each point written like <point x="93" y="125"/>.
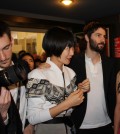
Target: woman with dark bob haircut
<point x="52" y="91"/>
<point x="55" y="41"/>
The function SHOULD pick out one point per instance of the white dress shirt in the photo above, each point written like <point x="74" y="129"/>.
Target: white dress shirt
<point x="96" y="112"/>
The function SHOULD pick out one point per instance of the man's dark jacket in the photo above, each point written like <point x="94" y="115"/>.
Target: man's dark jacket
<point x="109" y="78"/>
<point x="14" y="125"/>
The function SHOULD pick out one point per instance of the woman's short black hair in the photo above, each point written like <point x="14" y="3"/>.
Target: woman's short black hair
<point x="56" y="39"/>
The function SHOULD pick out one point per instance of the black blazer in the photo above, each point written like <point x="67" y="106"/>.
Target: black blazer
<point x="109" y="78"/>
<point x="14" y="125"/>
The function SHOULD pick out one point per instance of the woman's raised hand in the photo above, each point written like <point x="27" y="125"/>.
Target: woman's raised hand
<point x="75" y="98"/>
<point x="85" y="85"/>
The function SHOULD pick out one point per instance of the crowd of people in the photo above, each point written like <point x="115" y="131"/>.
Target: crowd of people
<point x="67" y="91"/>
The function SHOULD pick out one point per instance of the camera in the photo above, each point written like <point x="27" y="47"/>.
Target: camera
<point x="15" y="73"/>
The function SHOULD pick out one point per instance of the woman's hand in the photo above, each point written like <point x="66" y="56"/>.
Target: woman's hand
<point x="85" y="85"/>
<point x="75" y="98"/>
<point x="44" y="65"/>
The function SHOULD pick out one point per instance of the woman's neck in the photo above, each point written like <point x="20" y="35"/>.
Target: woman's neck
<point x="56" y="60"/>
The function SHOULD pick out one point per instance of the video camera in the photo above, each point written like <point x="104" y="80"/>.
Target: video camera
<point x="15" y="73"/>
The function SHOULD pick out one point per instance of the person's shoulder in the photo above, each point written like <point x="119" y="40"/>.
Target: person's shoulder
<point x="76" y="60"/>
<point x="106" y="58"/>
<point x="35" y="72"/>
<point x="80" y="55"/>
<point x="77" y="57"/>
<point x="38" y="73"/>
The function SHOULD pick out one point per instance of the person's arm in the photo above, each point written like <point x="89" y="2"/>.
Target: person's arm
<point x="5" y="99"/>
<point x="84" y="85"/>
<point x="117" y="107"/>
<point x="40" y="110"/>
<point x="29" y="129"/>
<point x="74" y="99"/>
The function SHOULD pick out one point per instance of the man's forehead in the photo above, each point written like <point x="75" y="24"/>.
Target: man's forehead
<point x="4" y="41"/>
<point x="100" y="31"/>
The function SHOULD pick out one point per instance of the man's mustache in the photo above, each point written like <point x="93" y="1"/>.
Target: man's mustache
<point x="101" y="43"/>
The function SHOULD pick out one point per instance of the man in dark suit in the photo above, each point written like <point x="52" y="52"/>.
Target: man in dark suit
<point x="95" y="114"/>
<point x="10" y="122"/>
<point x="13" y="108"/>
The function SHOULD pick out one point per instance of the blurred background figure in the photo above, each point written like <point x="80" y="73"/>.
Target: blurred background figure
<point x="29" y="59"/>
<point x="21" y="52"/>
<point x="77" y="48"/>
<point x="14" y="57"/>
<point x="80" y="45"/>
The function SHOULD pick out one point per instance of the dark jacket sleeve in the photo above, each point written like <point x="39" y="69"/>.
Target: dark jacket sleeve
<point x="2" y="126"/>
<point x="78" y="65"/>
<point x="14" y="125"/>
<point x="109" y="79"/>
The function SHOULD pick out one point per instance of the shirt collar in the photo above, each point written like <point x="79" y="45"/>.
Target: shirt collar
<point x="89" y="59"/>
<point x="53" y="65"/>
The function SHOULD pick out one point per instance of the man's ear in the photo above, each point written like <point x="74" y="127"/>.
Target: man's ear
<point x="86" y="38"/>
<point x="12" y="41"/>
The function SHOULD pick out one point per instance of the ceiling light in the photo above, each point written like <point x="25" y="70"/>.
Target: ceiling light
<point x="67" y="2"/>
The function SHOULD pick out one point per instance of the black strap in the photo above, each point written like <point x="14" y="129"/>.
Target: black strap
<point x="14" y="125"/>
<point x="66" y="120"/>
<point x="18" y="95"/>
<point x="2" y="126"/>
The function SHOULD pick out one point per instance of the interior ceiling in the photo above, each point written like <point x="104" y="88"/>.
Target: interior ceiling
<point x="80" y="11"/>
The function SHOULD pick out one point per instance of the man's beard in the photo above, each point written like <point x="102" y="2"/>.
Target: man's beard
<point x="95" y="46"/>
